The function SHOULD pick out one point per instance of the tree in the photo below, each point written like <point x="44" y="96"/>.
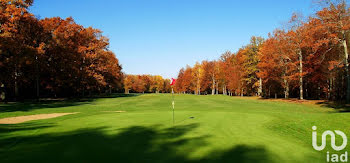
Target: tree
<point x="166" y="86"/>
<point x="187" y="80"/>
<point x="250" y="64"/>
<point x="336" y="17"/>
<point x="157" y="84"/>
<point x="296" y="39"/>
<point x="196" y="78"/>
<point x="146" y="83"/>
<point x="179" y="86"/>
<point x="18" y="42"/>
<point x="223" y="68"/>
<point x="307" y="60"/>
<point x="53" y="55"/>
<point x="208" y="78"/>
<point x="81" y="53"/>
<point x="128" y="83"/>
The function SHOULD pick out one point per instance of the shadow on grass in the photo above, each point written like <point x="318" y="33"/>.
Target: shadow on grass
<point x="134" y="144"/>
<point x="338" y="106"/>
<point x="55" y="103"/>
<point x="5" y="129"/>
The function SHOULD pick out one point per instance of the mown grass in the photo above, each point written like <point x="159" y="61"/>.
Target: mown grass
<point x="222" y="129"/>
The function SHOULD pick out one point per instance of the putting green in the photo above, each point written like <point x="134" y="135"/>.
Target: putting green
<point x="139" y="128"/>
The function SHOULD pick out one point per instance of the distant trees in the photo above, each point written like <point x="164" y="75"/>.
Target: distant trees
<point x="146" y="83"/>
<point x="232" y="74"/>
<point x="52" y="56"/>
<point x="308" y="60"/>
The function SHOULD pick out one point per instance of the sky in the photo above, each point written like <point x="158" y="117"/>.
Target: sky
<point x="159" y="37"/>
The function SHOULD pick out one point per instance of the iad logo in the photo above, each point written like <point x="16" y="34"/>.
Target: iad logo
<point x="332" y="157"/>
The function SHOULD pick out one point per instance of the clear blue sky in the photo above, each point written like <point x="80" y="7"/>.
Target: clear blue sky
<point x="161" y="36"/>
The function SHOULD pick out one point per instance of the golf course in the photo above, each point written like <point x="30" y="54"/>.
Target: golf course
<point x="139" y="128"/>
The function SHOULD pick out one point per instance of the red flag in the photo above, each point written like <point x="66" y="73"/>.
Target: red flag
<point x="172" y="81"/>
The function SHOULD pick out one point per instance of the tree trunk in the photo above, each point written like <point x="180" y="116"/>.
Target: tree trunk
<point x="217" y="88"/>
<point x="330" y="89"/>
<point x="37" y="78"/>
<point x="286" y="89"/>
<point x="198" y="83"/>
<point x="301" y="74"/>
<point x="199" y="90"/>
<point x="213" y="86"/>
<point x="346" y="69"/>
<point x="260" y="88"/>
<point x="16" y="83"/>
<point x="224" y="90"/>
<point x="3" y="92"/>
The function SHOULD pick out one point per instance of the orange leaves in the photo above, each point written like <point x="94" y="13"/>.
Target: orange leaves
<point x="18" y="3"/>
<point x="187" y="80"/>
<point x="307" y="56"/>
<point x="146" y="83"/>
<point x="335" y="64"/>
<point x="61" y="53"/>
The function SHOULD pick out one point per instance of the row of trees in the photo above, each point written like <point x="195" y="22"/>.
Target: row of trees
<point x="307" y="59"/>
<point x="146" y="83"/>
<point x="52" y="56"/>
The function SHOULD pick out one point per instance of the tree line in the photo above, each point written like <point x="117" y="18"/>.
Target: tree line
<point x="146" y="84"/>
<point x="57" y="57"/>
<point x="307" y="59"/>
<point x="53" y="56"/>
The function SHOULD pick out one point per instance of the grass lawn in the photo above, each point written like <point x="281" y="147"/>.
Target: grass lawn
<point x="224" y="129"/>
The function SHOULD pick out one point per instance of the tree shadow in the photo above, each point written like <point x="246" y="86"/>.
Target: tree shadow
<point x="55" y="103"/>
<point x="133" y="144"/>
<point x="114" y="95"/>
<point x="7" y="128"/>
<point x="240" y="153"/>
<point x="340" y="107"/>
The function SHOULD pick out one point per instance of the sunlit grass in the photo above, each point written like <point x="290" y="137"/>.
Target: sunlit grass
<point x="223" y="129"/>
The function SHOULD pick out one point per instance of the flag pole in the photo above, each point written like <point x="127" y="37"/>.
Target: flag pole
<point x="172" y="94"/>
<point x="173" y="103"/>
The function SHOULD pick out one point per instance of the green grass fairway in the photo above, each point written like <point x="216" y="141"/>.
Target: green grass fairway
<point x="224" y="129"/>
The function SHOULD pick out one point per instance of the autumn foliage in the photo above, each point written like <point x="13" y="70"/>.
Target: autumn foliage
<point x="308" y="59"/>
<point x="146" y="84"/>
<point x="58" y="57"/>
<point x="52" y="56"/>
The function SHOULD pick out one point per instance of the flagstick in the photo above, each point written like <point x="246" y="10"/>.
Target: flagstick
<point x="172" y="93"/>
